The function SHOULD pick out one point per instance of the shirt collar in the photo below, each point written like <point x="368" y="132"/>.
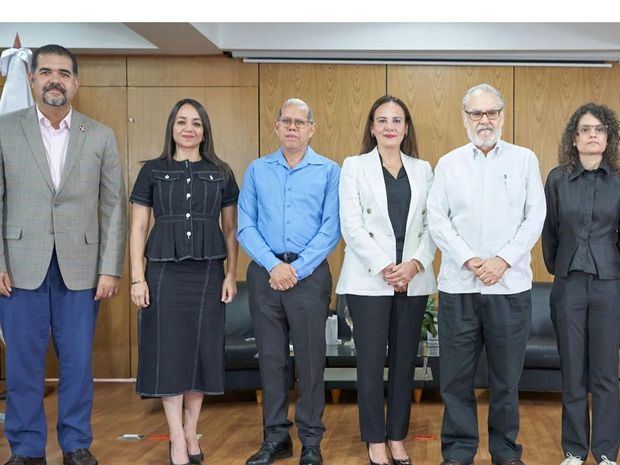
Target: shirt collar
<point x="310" y="158"/>
<point x="495" y="152"/>
<point x="65" y="123"/>
<point x="578" y="170"/>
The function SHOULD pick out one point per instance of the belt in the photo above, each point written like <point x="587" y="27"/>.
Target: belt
<point x="287" y="257"/>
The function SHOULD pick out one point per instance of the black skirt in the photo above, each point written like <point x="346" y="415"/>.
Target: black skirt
<point x="181" y="333"/>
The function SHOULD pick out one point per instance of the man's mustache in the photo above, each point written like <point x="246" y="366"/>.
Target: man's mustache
<point x="54" y="86"/>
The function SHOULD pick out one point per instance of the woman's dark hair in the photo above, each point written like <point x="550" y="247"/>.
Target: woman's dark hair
<point x="568" y="155"/>
<point x="206" y="149"/>
<point x="409" y="145"/>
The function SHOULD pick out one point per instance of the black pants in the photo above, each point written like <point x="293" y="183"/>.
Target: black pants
<point x="380" y="322"/>
<point x="586" y="315"/>
<point x="466" y="323"/>
<point x="303" y="311"/>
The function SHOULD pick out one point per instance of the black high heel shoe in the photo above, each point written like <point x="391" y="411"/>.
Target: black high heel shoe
<point x="406" y="461"/>
<point x="170" y="455"/>
<point x="370" y="460"/>
<point x="196" y="459"/>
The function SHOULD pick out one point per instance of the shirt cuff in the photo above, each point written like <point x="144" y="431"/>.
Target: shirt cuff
<point x="510" y="255"/>
<point x="302" y="271"/>
<point x="465" y="255"/>
<point x="269" y="261"/>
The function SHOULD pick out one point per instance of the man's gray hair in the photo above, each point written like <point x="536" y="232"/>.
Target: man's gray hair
<point x="299" y="103"/>
<point x="482" y="88"/>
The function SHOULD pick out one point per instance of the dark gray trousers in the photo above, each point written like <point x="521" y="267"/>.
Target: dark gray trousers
<point x="302" y="311"/>
<point x="467" y="322"/>
<point x="379" y="322"/>
<point x="586" y="315"/>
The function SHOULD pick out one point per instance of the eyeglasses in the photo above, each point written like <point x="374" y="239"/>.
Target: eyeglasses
<point x="299" y="123"/>
<point x="599" y="129"/>
<point x="477" y="115"/>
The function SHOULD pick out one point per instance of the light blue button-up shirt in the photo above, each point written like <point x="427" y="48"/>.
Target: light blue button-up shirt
<point x="290" y="210"/>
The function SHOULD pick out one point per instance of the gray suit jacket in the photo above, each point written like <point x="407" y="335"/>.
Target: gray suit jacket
<point x="84" y="220"/>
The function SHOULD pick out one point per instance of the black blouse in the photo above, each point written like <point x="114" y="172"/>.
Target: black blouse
<point x="398" y="193"/>
<point x="583" y="218"/>
<point x="186" y="198"/>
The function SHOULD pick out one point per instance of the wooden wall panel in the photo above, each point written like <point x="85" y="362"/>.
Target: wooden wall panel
<point x="340" y="97"/>
<point x="190" y="72"/>
<point x="111" y="351"/>
<point x="110" y="71"/>
<point x="433" y="95"/>
<point x="233" y="112"/>
<point x="544" y="100"/>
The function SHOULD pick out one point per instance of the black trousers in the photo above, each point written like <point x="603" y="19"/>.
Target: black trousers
<point x="379" y="322"/>
<point x="467" y="322"/>
<point x="302" y="311"/>
<point x="586" y="315"/>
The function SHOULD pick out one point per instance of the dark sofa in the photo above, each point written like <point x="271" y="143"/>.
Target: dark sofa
<point x="240" y="346"/>
<point x="541" y="369"/>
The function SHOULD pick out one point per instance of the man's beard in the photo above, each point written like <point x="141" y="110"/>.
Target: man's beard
<point x="484" y="143"/>
<point x="54" y="101"/>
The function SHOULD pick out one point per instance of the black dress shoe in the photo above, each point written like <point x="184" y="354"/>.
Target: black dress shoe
<point x="170" y="456"/>
<point x="370" y="461"/>
<point x="196" y="459"/>
<point x="311" y="455"/>
<point x="21" y="460"/>
<point x="271" y="451"/>
<point x="406" y="461"/>
<point x="79" y="457"/>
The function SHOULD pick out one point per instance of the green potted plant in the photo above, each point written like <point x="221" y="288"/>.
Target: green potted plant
<point x="429" y="322"/>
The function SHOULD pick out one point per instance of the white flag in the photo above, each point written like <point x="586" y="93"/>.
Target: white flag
<point x="15" y="64"/>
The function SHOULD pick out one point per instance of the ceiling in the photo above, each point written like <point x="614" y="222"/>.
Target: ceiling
<point x="407" y="42"/>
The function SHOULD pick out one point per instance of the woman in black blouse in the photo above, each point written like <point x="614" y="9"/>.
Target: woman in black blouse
<point x="387" y="273"/>
<point x="184" y="288"/>
<point x="580" y="247"/>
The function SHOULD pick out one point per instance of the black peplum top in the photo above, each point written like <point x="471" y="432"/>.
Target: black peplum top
<point x="186" y="198"/>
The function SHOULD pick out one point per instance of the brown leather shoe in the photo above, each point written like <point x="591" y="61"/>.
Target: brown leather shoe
<point x="21" y="460"/>
<point x="79" y="457"/>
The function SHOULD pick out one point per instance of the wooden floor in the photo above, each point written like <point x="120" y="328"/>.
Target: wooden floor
<point x="231" y="428"/>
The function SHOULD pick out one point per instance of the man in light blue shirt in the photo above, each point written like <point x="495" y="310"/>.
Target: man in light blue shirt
<point x="288" y="224"/>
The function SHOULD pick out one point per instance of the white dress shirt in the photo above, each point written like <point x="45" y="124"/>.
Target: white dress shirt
<point x="485" y="207"/>
<point x="55" y="142"/>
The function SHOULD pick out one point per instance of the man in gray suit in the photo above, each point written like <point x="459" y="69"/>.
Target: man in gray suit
<point x="63" y="218"/>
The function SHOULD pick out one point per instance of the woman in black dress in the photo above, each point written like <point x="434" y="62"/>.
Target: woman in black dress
<point x="581" y="248"/>
<point x="184" y="288"/>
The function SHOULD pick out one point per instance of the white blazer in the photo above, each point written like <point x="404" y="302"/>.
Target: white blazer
<point x="367" y="229"/>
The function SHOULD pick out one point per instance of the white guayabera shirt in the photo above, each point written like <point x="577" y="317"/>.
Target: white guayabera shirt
<point x="486" y="206"/>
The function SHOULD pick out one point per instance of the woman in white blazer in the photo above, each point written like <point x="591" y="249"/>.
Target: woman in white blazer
<point x="387" y="274"/>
